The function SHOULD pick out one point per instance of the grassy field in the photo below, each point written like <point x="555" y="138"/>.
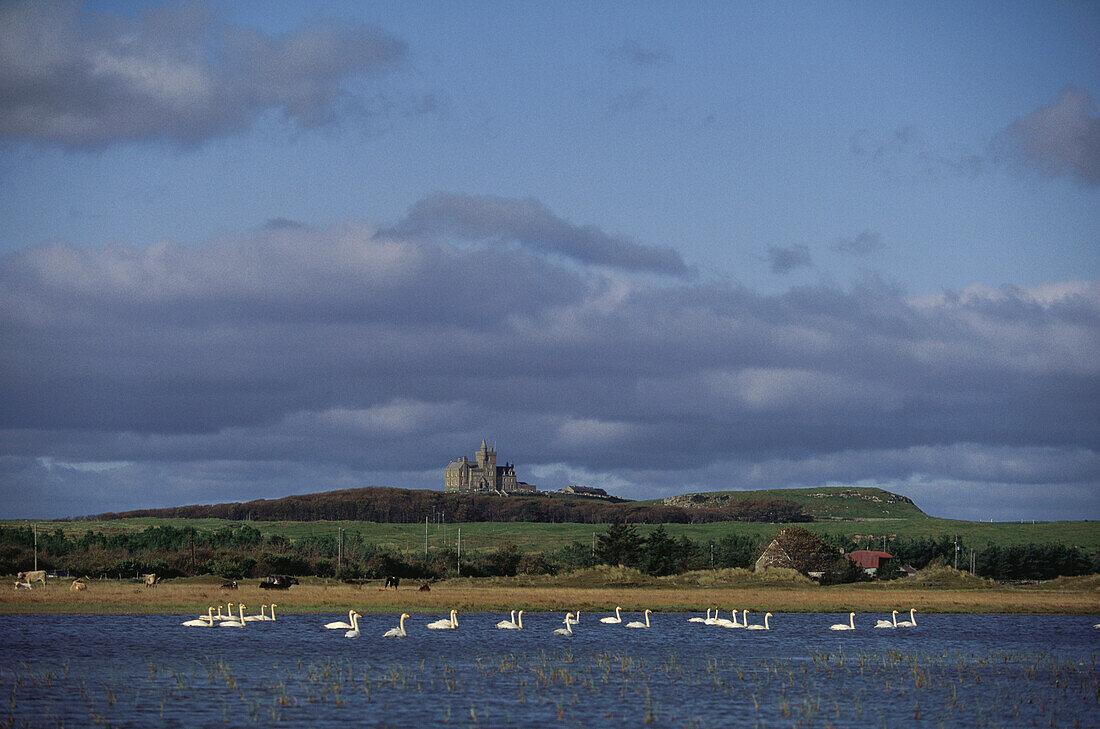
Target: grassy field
<point x="590" y="591"/>
<point x="540" y="536"/>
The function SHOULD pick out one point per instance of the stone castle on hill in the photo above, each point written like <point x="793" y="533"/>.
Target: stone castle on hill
<point x="483" y="476"/>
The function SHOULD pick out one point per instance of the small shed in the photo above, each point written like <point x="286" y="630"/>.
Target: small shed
<point x="774" y="556"/>
<point x="869" y="559"/>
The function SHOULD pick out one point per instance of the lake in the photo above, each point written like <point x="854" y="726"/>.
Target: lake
<point x="951" y="670"/>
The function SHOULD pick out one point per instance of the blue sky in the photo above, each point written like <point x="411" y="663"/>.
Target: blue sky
<point x="254" y="249"/>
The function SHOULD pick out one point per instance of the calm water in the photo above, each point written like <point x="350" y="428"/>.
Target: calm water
<point x="950" y="671"/>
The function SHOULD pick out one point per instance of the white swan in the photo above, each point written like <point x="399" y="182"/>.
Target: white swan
<point x="732" y="623"/>
<point x="765" y="626"/>
<point x="911" y="622"/>
<point x="572" y="618"/>
<point x="568" y="629"/>
<point x="354" y="632"/>
<point x="698" y="619"/>
<point x="850" y="626"/>
<point x="341" y="624"/>
<point x="399" y="631"/>
<point x="613" y="620"/>
<point x="272" y="615"/>
<point x="710" y="620"/>
<point x="518" y="625"/>
<point x="445" y="624"/>
<point x="232" y="622"/>
<point x="257" y="618"/>
<point x="887" y="623"/>
<point x="508" y="624"/>
<point x="206" y="621"/>
<point x="639" y="624"/>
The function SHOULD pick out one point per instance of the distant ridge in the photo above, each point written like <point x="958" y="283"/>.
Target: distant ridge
<point x="403" y="506"/>
<point x="825" y="503"/>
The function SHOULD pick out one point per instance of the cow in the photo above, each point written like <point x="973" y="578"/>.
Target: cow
<point x="32" y="577"/>
<point x="392" y="581"/>
<point x="278" y="582"/>
<point x="78" y="585"/>
<point x="426" y="587"/>
<point x="149" y="580"/>
<point x="22" y="585"/>
<point x="231" y="585"/>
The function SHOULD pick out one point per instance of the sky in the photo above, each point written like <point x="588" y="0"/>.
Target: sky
<point x="256" y="249"/>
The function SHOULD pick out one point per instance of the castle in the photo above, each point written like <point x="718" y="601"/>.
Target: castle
<point x="484" y="476"/>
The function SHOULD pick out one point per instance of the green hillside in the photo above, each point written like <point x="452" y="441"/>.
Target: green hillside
<point x="828" y="503"/>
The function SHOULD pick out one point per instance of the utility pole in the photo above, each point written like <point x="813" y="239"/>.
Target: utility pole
<point x="36" y="547"/>
<point x="593" y="545"/>
<point x="458" y="563"/>
<point x="425" y="535"/>
<point x="956" y="551"/>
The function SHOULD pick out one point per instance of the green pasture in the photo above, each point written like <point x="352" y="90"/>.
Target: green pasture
<point x="530" y="536"/>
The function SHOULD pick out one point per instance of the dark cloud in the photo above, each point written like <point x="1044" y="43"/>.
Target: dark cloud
<point x="862" y="244"/>
<point x="638" y="54"/>
<point x="85" y="80"/>
<point x="344" y="356"/>
<point x="1060" y="139"/>
<point x="528" y="223"/>
<point x="784" y="260"/>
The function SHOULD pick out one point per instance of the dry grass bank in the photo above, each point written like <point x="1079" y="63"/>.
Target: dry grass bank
<point x="467" y="595"/>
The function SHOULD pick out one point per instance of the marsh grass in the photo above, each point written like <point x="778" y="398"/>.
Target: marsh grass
<point x="591" y="591"/>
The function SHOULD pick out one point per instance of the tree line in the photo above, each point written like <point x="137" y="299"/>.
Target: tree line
<point x="239" y="552"/>
<point x="406" y="506"/>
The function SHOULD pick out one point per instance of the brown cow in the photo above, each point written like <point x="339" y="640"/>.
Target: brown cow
<point x="149" y="580"/>
<point x="78" y="585"/>
<point x="32" y="577"/>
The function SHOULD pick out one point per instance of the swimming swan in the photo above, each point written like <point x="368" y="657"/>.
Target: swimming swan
<point x="887" y="623"/>
<point x="257" y="618"/>
<point x="911" y="622"/>
<point x="613" y="620"/>
<point x="850" y="626"/>
<point x="206" y="621"/>
<point x="399" y="631"/>
<point x="518" y="625"/>
<point x="638" y="624"/>
<point x="732" y="623"/>
<point x="232" y="622"/>
<point x="341" y="624"/>
<point x="446" y="623"/>
<point x="698" y="619"/>
<point x="507" y="624"/>
<point x="272" y="615"/>
<point x="354" y="632"/>
<point x="568" y="629"/>
<point x="714" y="620"/>
<point x="572" y="618"/>
<point x="765" y="626"/>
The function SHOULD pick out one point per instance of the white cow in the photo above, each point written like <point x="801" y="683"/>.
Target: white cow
<point x="22" y="585"/>
<point x="32" y="577"/>
<point x="149" y="580"/>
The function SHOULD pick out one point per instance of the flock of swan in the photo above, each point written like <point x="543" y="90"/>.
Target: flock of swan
<point x="515" y="621"/>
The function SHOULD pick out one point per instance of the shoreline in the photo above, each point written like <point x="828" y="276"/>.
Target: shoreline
<point x="471" y="595"/>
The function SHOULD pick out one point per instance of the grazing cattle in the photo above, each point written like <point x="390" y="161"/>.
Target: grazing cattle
<point x="278" y="582"/>
<point x="392" y="582"/>
<point x="77" y="586"/>
<point x="149" y="580"/>
<point x="426" y="587"/>
<point x="22" y="585"/>
<point x="32" y="577"/>
<point x="231" y="585"/>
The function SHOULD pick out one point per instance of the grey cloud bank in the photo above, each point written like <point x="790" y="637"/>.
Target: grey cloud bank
<point x="176" y="72"/>
<point x="295" y="359"/>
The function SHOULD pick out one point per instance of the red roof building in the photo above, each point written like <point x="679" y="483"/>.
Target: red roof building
<point x="869" y="559"/>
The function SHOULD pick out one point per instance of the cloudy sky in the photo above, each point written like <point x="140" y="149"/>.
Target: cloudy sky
<point x="254" y="249"/>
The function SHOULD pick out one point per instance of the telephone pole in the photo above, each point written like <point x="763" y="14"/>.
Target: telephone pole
<point x="458" y="563"/>
<point x="425" y="536"/>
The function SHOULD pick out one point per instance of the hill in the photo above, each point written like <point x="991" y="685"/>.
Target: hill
<point x="827" y="503"/>
<point x="403" y="506"/>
